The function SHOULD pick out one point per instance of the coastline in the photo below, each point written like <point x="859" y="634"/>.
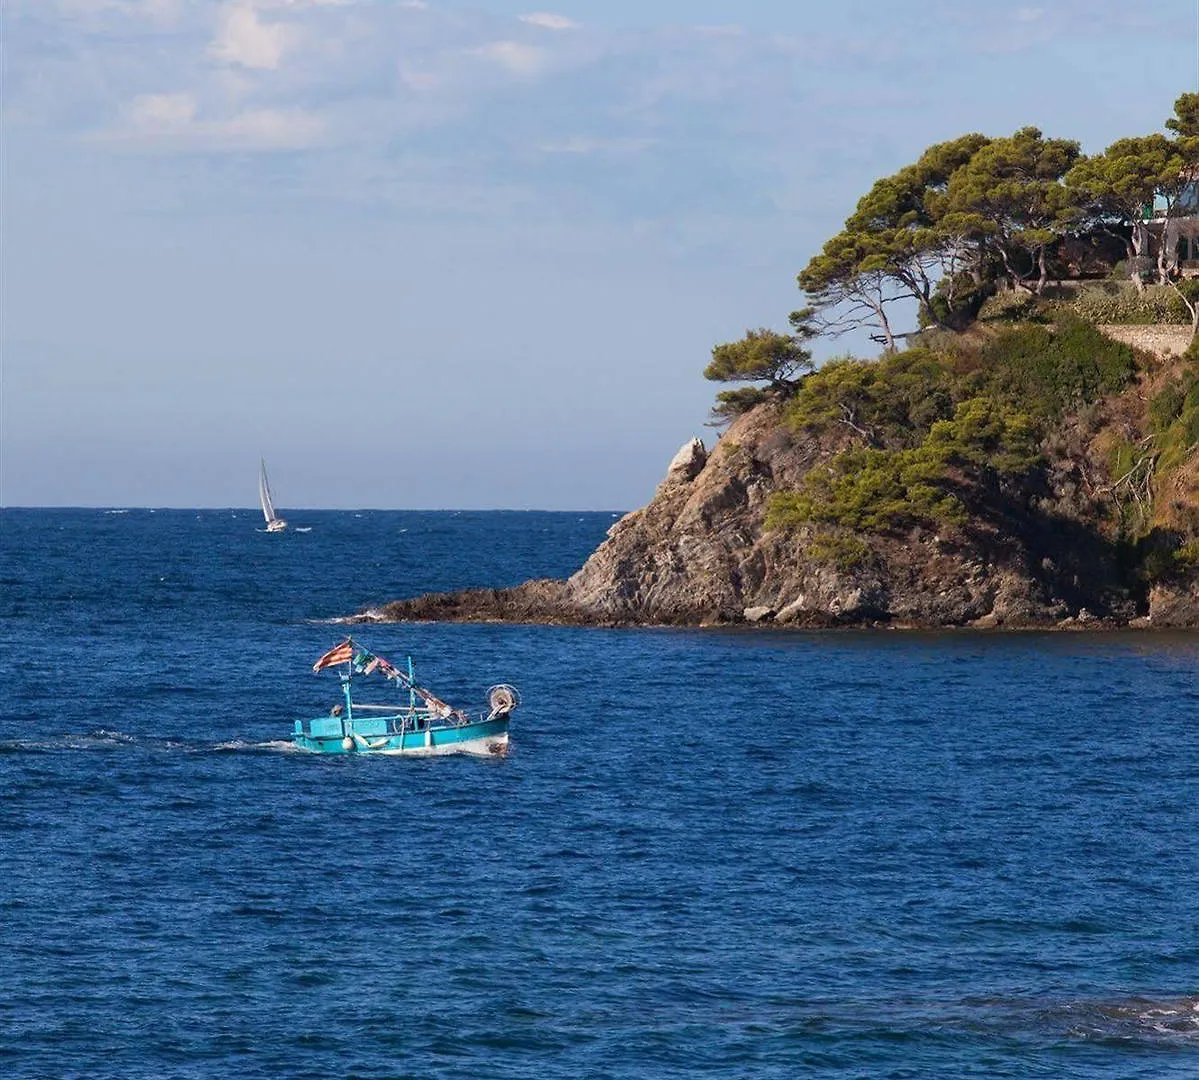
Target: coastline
<point x="437" y="608"/>
<point x="701" y="553"/>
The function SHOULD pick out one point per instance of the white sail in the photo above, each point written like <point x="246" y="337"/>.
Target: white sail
<point x="273" y="522"/>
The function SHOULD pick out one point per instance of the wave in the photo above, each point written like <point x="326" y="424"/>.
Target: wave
<point x="1138" y="1018"/>
<point x="370" y="615"/>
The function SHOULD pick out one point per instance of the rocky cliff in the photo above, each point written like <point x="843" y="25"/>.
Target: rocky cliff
<point x="1040" y="552"/>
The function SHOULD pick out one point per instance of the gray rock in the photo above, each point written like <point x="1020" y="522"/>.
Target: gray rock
<point x="699" y="553"/>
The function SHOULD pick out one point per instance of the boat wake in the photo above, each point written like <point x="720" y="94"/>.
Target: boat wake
<point x="100" y="739"/>
<point x="103" y="739"/>
<point x="274" y="746"/>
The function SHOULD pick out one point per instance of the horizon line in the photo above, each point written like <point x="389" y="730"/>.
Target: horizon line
<point x="328" y="509"/>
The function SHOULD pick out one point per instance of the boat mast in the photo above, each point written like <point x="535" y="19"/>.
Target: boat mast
<point x="346" y="683"/>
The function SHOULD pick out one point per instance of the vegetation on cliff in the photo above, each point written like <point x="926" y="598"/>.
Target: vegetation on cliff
<point x="1011" y="385"/>
<point x="940" y="435"/>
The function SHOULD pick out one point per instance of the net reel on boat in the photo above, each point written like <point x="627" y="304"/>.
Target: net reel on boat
<point x="502" y="699"/>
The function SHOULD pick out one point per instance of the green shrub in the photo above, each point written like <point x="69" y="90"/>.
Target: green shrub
<point x="732" y="403"/>
<point x="1011" y="305"/>
<point x="1166" y="406"/>
<point x="1119" y="302"/>
<point x="934" y="421"/>
<point x="985" y="436"/>
<point x="1048" y="373"/>
<point x="877" y="490"/>
<point x="870" y="490"/>
<point x="893" y="401"/>
<point x="1174" y="415"/>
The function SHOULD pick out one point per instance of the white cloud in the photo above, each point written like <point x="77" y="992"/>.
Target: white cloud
<point x="549" y="21"/>
<point x="1029" y="14"/>
<point x="514" y="57"/>
<point x="173" y="121"/>
<point x="242" y="38"/>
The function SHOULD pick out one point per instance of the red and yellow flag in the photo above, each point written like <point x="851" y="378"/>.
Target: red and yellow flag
<point x="340" y="654"/>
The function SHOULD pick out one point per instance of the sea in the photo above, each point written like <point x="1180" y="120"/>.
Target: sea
<point x="709" y="852"/>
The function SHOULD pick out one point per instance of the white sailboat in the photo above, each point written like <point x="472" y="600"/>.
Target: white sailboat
<point x="274" y="523"/>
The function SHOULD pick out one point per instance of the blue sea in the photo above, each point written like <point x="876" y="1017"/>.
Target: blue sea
<point x="708" y="853"/>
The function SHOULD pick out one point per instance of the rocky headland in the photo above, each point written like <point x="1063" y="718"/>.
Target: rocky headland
<point x="1089" y="522"/>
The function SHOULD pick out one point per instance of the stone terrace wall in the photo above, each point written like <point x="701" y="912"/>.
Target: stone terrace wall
<point x="1160" y="339"/>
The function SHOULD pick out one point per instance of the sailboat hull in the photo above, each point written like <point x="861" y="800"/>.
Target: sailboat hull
<point x="276" y="525"/>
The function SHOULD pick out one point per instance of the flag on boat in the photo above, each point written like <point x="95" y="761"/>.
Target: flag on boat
<point x="340" y="654"/>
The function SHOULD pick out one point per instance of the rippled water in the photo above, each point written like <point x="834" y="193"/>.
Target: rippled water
<point x="709" y="853"/>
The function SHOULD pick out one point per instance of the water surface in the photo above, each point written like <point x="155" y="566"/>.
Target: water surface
<point x="713" y="853"/>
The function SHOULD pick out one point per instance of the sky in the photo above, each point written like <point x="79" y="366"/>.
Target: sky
<point x="452" y="255"/>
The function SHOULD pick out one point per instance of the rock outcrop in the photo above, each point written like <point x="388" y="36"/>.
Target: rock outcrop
<point x="699" y="553"/>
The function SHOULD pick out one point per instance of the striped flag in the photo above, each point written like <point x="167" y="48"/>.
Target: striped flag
<point x="341" y="654"/>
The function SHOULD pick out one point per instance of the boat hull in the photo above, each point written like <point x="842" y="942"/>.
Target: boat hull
<point x="390" y="735"/>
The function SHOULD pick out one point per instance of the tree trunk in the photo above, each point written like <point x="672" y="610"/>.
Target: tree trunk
<point x="1134" y="260"/>
<point x="1163" y="275"/>
<point x="879" y="307"/>
<point x="889" y="337"/>
<point x="1017" y="280"/>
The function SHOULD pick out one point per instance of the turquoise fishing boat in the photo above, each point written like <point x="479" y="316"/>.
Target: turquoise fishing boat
<point x="421" y="725"/>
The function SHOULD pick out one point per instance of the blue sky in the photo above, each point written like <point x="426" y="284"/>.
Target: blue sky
<point x="449" y="255"/>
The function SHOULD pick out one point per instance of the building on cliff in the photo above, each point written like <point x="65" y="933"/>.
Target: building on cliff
<point x="1174" y="224"/>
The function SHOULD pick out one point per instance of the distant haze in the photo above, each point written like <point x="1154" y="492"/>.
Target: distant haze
<point x="437" y="255"/>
